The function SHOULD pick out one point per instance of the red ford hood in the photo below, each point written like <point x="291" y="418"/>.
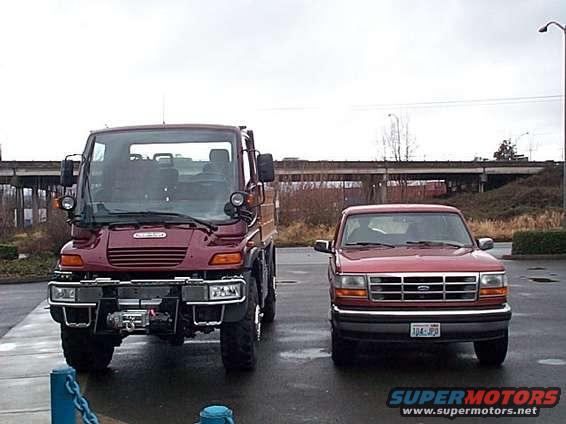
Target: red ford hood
<point x="416" y="259"/>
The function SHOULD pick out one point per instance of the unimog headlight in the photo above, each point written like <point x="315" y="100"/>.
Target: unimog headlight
<point x="63" y="294"/>
<point x="225" y="291"/>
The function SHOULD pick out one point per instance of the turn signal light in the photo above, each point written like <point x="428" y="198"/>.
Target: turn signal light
<point x="71" y="260"/>
<point x="351" y="293"/>
<point x="226" y="259"/>
<point x="497" y="291"/>
<point x="56" y="203"/>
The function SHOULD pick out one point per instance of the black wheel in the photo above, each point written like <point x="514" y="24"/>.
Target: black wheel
<point x="492" y="352"/>
<point x="269" y="306"/>
<point x="343" y="350"/>
<point x="237" y="339"/>
<point x="84" y="351"/>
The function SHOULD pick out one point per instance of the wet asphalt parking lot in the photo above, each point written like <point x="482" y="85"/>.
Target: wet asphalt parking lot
<point x="295" y="380"/>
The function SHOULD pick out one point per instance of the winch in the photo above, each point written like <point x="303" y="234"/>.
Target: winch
<point x="137" y="320"/>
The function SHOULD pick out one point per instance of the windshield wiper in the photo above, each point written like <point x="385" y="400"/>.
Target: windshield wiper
<point x="369" y="243"/>
<point x="184" y="218"/>
<point x="434" y="243"/>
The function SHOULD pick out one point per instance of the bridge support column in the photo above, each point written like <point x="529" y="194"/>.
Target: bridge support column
<point x="35" y="205"/>
<point x="48" y="197"/>
<point x="19" y="207"/>
<point x="369" y="189"/>
<point x="382" y="189"/>
<point x="482" y="182"/>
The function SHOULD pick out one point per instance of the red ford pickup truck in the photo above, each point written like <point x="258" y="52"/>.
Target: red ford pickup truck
<point x="414" y="273"/>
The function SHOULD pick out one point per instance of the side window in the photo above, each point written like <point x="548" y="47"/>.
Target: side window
<point x="96" y="165"/>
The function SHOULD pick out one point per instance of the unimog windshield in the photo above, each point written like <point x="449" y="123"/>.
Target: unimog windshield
<point x="160" y="174"/>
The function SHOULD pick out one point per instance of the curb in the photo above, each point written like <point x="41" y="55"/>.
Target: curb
<point x="24" y="280"/>
<point x="534" y="257"/>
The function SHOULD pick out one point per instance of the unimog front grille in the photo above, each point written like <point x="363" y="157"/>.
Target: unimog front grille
<point x="450" y="287"/>
<point x="146" y="257"/>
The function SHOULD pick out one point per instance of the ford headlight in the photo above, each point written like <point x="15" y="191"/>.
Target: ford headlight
<point x="225" y="292"/>
<point x="63" y="294"/>
<point x="493" y="280"/>
<point x="350" y="281"/>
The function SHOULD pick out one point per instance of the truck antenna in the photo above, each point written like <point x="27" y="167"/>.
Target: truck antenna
<point x="163" y="109"/>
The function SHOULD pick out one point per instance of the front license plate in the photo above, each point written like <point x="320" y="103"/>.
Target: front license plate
<point x="425" y="329"/>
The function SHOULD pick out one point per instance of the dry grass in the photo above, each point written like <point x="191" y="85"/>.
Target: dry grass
<point x="502" y="230"/>
<point x="300" y="234"/>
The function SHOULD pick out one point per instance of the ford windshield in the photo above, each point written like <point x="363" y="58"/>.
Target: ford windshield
<point x="422" y="229"/>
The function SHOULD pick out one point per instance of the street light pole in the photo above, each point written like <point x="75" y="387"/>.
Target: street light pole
<point x="517" y="141"/>
<point x="563" y="28"/>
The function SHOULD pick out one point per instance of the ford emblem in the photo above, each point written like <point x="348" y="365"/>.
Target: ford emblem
<point x="423" y="288"/>
<point x="150" y="235"/>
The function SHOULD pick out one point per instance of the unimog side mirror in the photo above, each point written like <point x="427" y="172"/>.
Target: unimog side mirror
<point x="67" y="170"/>
<point x="265" y="168"/>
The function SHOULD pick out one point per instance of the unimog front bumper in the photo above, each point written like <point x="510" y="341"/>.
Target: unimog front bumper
<point x="146" y="306"/>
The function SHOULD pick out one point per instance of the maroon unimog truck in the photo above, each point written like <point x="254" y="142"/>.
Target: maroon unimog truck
<point x="414" y="273"/>
<point x="172" y="234"/>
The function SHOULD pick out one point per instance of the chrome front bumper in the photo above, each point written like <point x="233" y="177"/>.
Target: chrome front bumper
<point x="394" y="325"/>
<point x="145" y="293"/>
<point x="139" y="295"/>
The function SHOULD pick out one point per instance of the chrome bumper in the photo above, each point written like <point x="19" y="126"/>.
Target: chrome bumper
<point x="144" y="293"/>
<point x="503" y="310"/>
<point x="457" y="325"/>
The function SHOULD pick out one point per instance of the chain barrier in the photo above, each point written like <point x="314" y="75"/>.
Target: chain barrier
<point x="80" y="402"/>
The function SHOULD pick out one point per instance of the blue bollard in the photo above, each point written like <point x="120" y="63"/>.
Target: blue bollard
<point x="62" y="406"/>
<point x="216" y="414"/>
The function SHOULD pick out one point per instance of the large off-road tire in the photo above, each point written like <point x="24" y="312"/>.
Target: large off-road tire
<point x="269" y="305"/>
<point x="84" y="351"/>
<point x="492" y="352"/>
<point x="238" y="339"/>
<point x="343" y="350"/>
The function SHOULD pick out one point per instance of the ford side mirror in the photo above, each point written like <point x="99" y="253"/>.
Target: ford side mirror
<point x="265" y="168"/>
<point x="324" y="246"/>
<point x="485" y="243"/>
<point x="67" y="169"/>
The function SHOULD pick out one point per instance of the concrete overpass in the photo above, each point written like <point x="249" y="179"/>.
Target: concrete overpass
<point x="373" y="175"/>
<point x="376" y="175"/>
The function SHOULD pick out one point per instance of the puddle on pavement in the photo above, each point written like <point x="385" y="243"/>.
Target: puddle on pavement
<point x="551" y="361"/>
<point x="543" y="280"/>
<point x="536" y="268"/>
<point x="303" y="355"/>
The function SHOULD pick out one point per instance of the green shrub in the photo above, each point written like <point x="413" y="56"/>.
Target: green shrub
<point x="7" y="251"/>
<point x="550" y="242"/>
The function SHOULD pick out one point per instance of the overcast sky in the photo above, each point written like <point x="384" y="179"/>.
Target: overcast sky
<point x="314" y="79"/>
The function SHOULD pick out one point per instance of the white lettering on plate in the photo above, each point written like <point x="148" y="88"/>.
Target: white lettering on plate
<point x="150" y="235"/>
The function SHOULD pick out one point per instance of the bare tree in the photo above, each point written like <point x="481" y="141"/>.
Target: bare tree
<point x="398" y="143"/>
